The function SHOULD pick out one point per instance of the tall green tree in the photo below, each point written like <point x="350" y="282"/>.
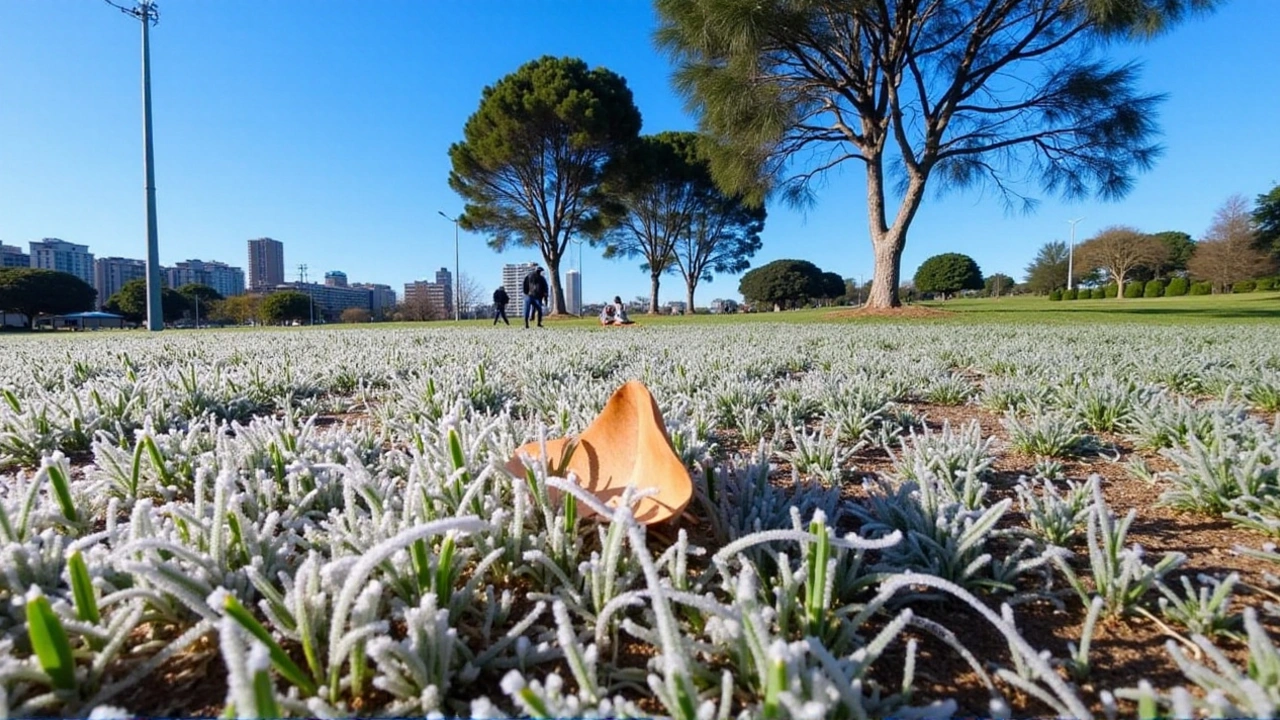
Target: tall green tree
<point x="653" y="190"/>
<point x="285" y="306"/>
<point x="782" y="283"/>
<point x="722" y="238"/>
<point x="532" y="156"/>
<point x="32" y="292"/>
<point x="1266" y="220"/>
<point x="830" y="286"/>
<point x="131" y="302"/>
<point x="918" y="92"/>
<point x="998" y="284"/>
<point x="201" y="299"/>
<point x="948" y="273"/>
<point x="1179" y="247"/>
<point x="1048" y="271"/>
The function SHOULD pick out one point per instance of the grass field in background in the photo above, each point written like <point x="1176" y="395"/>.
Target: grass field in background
<point x="1263" y="307"/>
<point x="1245" y="308"/>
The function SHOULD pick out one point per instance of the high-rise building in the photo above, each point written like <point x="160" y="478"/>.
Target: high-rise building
<point x="266" y="264"/>
<point x="444" y="278"/>
<point x="335" y="278"/>
<point x="111" y="273"/>
<point x="513" y="281"/>
<point x="573" y="292"/>
<point x="428" y="298"/>
<point x="55" y="254"/>
<point x="227" y="280"/>
<point x="382" y="299"/>
<point x="12" y="257"/>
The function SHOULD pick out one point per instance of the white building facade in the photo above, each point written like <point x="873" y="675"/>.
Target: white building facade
<point x="224" y="278"/>
<point x="62" y="256"/>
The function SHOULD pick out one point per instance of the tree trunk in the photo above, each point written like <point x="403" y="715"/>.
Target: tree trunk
<point x="557" y="291"/>
<point x="653" y="293"/>
<point x="689" y="288"/>
<point x="887" y="241"/>
<point x="1119" y="287"/>
<point x="885" y="278"/>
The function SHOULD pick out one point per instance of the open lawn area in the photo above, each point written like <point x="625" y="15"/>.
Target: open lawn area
<point x="1263" y="307"/>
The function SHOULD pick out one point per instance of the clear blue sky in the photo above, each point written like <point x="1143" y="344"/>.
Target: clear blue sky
<point x="326" y="123"/>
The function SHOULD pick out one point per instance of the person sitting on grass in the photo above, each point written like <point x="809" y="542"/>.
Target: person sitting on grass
<point x="614" y="313"/>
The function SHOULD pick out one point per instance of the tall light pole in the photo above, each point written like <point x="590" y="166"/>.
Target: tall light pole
<point x="457" y="276"/>
<point x="147" y="12"/>
<point x="1071" y="252"/>
<point x="311" y="301"/>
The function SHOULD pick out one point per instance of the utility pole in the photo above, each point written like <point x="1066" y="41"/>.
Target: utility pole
<point x="457" y="275"/>
<point x="311" y="302"/>
<point x="1071" y="252"/>
<point x="147" y="12"/>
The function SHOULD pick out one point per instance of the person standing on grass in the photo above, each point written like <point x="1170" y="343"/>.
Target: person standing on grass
<point x="535" y="293"/>
<point x="500" y="300"/>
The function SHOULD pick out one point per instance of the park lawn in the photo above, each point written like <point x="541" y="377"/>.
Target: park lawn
<point x="1246" y="308"/>
<point x="1187" y="309"/>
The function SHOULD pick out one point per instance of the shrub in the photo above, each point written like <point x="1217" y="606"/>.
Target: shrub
<point x="1154" y="288"/>
<point x="1264" y="284"/>
<point x="1110" y="290"/>
<point x="1177" y="287"/>
<point x="1055" y="296"/>
<point x="1244" y="286"/>
<point x="1097" y="293"/>
<point x="1069" y="294"/>
<point x="1133" y="290"/>
<point x="1201" y="288"/>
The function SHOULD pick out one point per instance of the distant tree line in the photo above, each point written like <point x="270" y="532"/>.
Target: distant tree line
<point x="1239" y="251"/>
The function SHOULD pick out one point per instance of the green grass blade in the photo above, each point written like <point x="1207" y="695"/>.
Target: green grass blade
<point x="49" y="640"/>
<point x="282" y="662"/>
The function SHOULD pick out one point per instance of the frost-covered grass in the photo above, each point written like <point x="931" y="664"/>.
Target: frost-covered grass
<point x="329" y="506"/>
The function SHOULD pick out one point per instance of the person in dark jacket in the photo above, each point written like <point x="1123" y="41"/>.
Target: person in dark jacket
<point x="500" y="300"/>
<point x="535" y="294"/>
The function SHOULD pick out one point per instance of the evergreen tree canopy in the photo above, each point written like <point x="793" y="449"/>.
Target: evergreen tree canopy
<point x="918" y="94"/>
<point x="532" y="156"/>
<point x="131" y="302"/>
<point x="948" y="273"/>
<point x="32" y="292"/>
<point x="285" y="306"/>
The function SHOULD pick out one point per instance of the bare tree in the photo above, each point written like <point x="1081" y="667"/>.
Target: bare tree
<point x="470" y="293"/>
<point x="1228" y="253"/>
<point x="355" y="315"/>
<point x="1119" y="250"/>
<point x="420" y="307"/>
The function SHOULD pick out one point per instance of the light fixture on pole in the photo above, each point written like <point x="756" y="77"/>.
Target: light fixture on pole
<point x="147" y="12"/>
<point x="1071" y="252"/>
<point x="457" y="279"/>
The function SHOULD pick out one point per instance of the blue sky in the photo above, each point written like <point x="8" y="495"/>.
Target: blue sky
<point x="326" y="123"/>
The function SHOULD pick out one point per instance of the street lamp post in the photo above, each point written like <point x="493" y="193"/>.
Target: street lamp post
<point x="147" y="12"/>
<point x="1071" y="252"/>
<point x="457" y="275"/>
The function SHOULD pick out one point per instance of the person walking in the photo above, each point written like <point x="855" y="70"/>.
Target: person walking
<point x="535" y="293"/>
<point x="500" y="300"/>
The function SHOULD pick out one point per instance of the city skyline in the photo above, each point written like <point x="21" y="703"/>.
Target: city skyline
<point x="329" y="129"/>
